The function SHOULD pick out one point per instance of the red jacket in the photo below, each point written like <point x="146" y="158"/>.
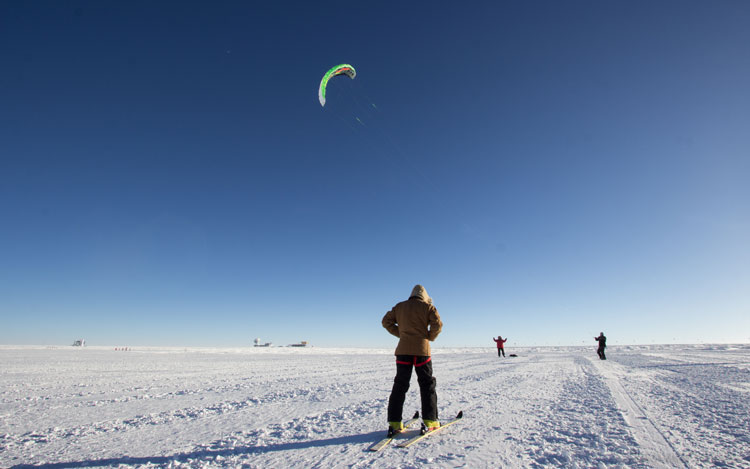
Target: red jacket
<point x="499" y="342"/>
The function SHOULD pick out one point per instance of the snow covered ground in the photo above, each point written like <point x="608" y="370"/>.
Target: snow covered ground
<point x="646" y="406"/>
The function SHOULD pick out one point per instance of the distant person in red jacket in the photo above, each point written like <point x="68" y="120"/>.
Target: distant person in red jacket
<point x="500" y="349"/>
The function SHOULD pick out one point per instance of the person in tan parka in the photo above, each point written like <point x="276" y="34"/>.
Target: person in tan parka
<point x="416" y="323"/>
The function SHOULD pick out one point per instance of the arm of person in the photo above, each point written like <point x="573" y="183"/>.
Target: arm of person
<point x="389" y="322"/>
<point x="436" y="325"/>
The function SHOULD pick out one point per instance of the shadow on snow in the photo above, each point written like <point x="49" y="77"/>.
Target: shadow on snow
<point x="210" y="454"/>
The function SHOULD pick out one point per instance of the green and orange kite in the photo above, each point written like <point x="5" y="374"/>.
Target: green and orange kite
<point x="343" y="69"/>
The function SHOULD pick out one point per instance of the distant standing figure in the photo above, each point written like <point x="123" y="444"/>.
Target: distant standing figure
<point x="500" y="347"/>
<point x="416" y="323"/>
<point x="602" y="345"/>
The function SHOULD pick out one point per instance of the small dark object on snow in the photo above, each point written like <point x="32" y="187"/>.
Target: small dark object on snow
<point x="513" y="355"/>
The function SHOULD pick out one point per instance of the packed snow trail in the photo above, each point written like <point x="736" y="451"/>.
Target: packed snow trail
<point x="656" y="449"/>
<point x="655" y="406"/>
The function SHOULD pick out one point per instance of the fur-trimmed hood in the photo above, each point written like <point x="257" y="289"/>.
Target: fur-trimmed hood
<point x="419" y="292"/>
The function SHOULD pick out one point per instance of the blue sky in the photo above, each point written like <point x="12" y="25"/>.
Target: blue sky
<point x="548" y="170"/>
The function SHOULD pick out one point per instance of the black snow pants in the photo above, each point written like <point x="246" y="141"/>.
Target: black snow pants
<point x="423" y="367"/>
<point x="600" y="352"/>
<point x="500" y="352"/>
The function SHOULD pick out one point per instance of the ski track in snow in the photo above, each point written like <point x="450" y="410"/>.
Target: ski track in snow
<point x="646" y="406"/>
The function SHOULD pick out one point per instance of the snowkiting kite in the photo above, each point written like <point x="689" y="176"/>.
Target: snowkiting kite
<point x="343" y="69"/>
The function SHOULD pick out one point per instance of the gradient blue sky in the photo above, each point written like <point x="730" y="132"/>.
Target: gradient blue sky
<point x="548" y="170"/>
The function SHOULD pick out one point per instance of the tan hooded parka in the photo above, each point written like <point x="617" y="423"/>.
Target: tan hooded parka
<point x="415" y="322"/>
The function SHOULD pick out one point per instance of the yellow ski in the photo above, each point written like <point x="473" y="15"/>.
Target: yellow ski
<point x="424" y="433"/>
<point x="387" y="440"/>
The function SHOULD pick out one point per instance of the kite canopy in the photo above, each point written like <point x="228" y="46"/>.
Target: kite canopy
<point x="343" y="69"/>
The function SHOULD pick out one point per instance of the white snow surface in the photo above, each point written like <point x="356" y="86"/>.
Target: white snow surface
<point x="646" y="406"/>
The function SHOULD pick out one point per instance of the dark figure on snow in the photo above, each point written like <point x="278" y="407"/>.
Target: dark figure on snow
<point x="500" y="347"/>
<point x="415" y="322"/>
<point x="602" y="345"/>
